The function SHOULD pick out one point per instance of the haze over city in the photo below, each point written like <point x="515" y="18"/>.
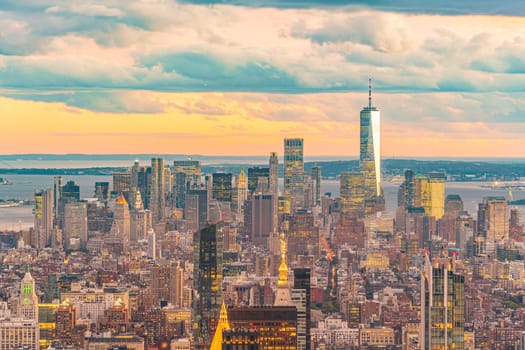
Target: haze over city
<point x="236" y="77"/>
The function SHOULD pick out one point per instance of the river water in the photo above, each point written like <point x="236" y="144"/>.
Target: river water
<point x="22" y="187"/>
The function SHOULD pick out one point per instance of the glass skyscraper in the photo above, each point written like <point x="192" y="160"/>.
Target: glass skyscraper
<point x="370" y="150"/>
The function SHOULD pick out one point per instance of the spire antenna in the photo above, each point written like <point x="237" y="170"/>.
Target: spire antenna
<point x="369" y="93"/>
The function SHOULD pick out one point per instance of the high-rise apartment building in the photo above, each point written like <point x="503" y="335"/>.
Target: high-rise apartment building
<point x="293" y="174"/>
<point x="442" y="306"/>
<point x="370" y="149"/>
<point x="208" y="256"/>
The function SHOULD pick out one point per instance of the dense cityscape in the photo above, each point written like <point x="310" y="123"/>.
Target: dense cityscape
<point x="169" y="257"/>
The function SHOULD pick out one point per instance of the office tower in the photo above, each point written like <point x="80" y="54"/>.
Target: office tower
<point x="57" y="191"/>
<point x="180" y="186"/>
<point x="258" y="179"/>
<point x="370" y="149"/>
<point x="70" y="192"/>
<point x="28" y="303"/>
<point x="242" y="189"/>
<point x="316" y="177"/>
<point x="464" y="230"/>
<point x="301" y="300"/>
<point x="152" y="244"/>
<point x="102" y="191"/>
<point x="192" y="169"/>
<point x="122" y="183"/>
<point x="157" y="203"/>
<point x="436" y="188"/>
<point x="222" y="187"/>
<point x="43" y="217"/>
<point x="274" y="174"/>
<point x="493" y="222"/>
<point x="167" y="284"/>
<point x="282" y="293"/>
<point x="196" y="211"/>
<point x="453" y="205"/>
<point x="406" y="193"/>
<point x="262" y="218"/>
<point x="276" y="325"/>
<point x="140" y="222"/>
<point x="442" y="306"/>
<point x="293" y="175"/>
<point x="140" y="178"/>
<point x="121" y="222"/>
<point x="75" y="226"/>
<point x="208" y="249"/>
<point x="303" y="235"/>
<point x="352" y="193"/>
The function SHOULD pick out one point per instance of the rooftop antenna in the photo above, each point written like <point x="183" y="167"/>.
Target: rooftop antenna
<point x="369" y="93"/>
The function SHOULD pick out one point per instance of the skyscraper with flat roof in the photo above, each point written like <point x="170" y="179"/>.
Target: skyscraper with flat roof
<point x="293" y="174"/>
<point x="370" y="149"/>
<point x="442" y="306"/>
<point x="207" y="250"/>
<point x="157" y="185"/>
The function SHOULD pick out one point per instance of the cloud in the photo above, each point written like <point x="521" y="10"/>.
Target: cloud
<point x="101" y="54"/>
<point x="444" y="7"/>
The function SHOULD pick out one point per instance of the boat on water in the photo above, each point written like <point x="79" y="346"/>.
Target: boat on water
<point x="4" y="181"/>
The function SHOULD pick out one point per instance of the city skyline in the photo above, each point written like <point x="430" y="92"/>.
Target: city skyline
<point x="217" y="79"/>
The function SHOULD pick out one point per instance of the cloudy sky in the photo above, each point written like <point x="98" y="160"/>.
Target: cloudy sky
<point x="236" y="77"/>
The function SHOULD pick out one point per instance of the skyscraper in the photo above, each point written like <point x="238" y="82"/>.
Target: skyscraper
<point x="301" y="299"/>
<point x="207" y="253"/>
<point x="316" y="177"/>
<point x="293" y="175"/>
<point x="352" y="193"/>
<point x="157" y="203"/>
<point x="75" y="226"/>
<point x="493" y="222"/>
<point x="242" y="190"/>
<point x="442" y="306"/>
<point x="370" y="150"/>
<point x="222" y="187"/>
<point x="121" y="222"/>
<point x="274" y="174"/>
<point x="43" y="217"/>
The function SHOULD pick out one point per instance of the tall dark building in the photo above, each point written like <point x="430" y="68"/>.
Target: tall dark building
<point x="442" y="306"/>
<point x="140" y="178"/>
<point x="301" y="299"/>
<point x="157" y="203"/>
<point x="198" y="206"/>
<point x="70" y="192"/>
<point x="256" y="175"/>
<point x="102" y="191"/>
<point x="316" y="178"/>
<point x="222" y="187"/>
<point x="260" y="217"/>
<point x="207" y="254"/>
